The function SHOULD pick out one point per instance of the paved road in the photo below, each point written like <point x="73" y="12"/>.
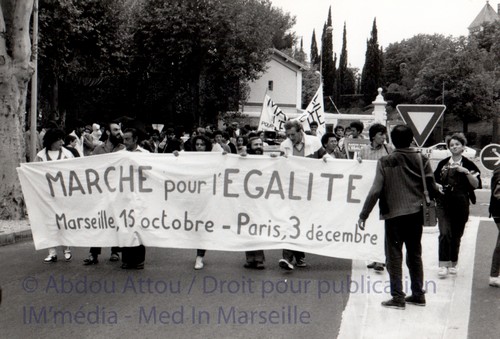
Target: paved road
<point x="169" y="299"/>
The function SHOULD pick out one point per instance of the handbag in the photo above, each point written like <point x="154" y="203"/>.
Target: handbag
<point x="496" y="191"/>
<point x="428" y="206"/>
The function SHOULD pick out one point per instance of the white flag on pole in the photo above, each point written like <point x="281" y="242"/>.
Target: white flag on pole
<point x="315" y="112"/>
<point x="272" y="117"/>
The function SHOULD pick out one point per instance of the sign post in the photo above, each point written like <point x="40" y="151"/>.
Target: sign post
<point x="422" y="119"/>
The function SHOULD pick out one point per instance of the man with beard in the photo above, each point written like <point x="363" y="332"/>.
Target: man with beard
<point x="112" y="139"/>
<point x="255" y="259"/>
<point x="112" y="142"/>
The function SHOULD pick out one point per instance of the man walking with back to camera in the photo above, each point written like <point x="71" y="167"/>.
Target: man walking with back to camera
<point x="398" y="186"/>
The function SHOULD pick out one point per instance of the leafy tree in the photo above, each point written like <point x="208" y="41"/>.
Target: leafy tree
<point x="471" y="85"/>
<point x="193" y="57"/>
<point x="81" y="57"/>
<point x="403" y="60"/>
<point x="371" y="78"/>
<point x="310" y="84"/>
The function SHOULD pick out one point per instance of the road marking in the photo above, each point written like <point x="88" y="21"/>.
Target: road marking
<point x="448" y="300"/>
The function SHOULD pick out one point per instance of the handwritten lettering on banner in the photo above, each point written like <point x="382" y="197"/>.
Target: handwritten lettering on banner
<point x="203" y="200"/>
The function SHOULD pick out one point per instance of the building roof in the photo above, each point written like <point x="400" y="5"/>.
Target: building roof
<point x="486" y="15"/>
<point x="288" y="58"/>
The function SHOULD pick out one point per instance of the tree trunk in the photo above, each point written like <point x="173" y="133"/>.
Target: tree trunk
<point x="12" y="152"/>
<point x="15" y="72"/>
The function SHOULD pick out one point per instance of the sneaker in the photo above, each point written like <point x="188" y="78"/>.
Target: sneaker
<point x="67" y="255"/>
<point x="198" y="264"/>
<point x="379" y="267"/>
<point x="453" y="270"/>
<point x="114" y="257"/>
<point x="372" y="265"/>
<point x="495" y="281"/>
<point x="443" y="272"/>
<point x="91" y="260"/>
<point x="50" y="259"/>
<point x="284" y="264"/>
<point x="393" y="303"/>
<point x="301" y="262"/>
<point x="416" y="300"/>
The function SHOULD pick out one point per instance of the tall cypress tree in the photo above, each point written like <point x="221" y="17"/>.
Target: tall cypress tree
<point x="328" y="64"/>
<point x="371" y="77"/>
<point x="342" y="70"/>
<point x="314" y="50"/>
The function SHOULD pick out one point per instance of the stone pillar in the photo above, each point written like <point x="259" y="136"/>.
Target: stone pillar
<point x="379" y="112"/>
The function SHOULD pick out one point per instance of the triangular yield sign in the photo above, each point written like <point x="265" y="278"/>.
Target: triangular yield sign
<point x="421" y="119"/>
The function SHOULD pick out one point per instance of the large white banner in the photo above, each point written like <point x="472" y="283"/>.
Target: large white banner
<point x="203" y="200"/>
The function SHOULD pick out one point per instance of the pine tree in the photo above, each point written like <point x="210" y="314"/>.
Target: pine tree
<point x="371" y="77"/>
<point x="328" y="64"/>
<point x="314" y="50"/>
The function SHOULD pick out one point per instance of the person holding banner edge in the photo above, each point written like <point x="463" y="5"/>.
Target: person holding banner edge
<point x="374" y="151"/>
<point x="111" y="142"/>
<point x="254" y="259"/>
<point x="398" y="186"/>
<point x="133" y="257"/>
<point x="299" y="144"/>
<point x="53" y="150"/>
<point x="201" y="144"/>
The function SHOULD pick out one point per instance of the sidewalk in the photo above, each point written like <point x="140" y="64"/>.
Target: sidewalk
<point x="13" y="231"/>
<point x="448" y="300"/>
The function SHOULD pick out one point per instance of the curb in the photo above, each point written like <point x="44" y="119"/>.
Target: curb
<point x="15" y="237"/>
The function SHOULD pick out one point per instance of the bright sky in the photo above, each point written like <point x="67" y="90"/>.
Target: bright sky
<point x="396" y="20"/>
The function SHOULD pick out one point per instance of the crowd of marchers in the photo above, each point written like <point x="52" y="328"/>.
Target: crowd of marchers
<point x="402" y="175"/>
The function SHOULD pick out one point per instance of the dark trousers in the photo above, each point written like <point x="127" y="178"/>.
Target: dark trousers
<point x="495" y="261"/>
<point x="255" y="256"/>
<point x="95" y="251"/>
<point x="200" y="253"/>
<point x="451" y="229"/>
<point x="289" y="255"/>
<point x="407" y="230"/>
<point x="133" y="255"/>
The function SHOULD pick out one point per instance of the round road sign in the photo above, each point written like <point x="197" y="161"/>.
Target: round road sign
<point x="490" y="156"/>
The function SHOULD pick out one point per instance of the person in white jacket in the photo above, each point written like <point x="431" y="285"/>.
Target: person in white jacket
<point x="298" y="144"/>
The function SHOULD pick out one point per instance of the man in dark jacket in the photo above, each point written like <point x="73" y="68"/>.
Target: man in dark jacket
<point x="398" y="186"/>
